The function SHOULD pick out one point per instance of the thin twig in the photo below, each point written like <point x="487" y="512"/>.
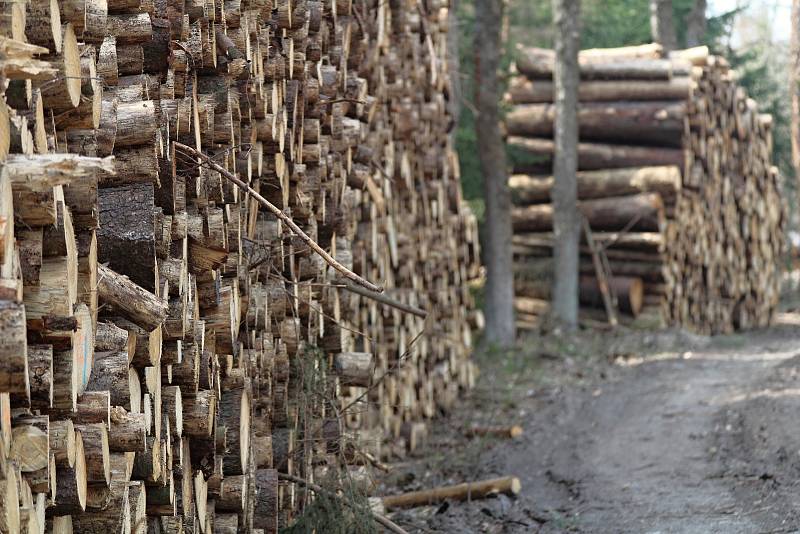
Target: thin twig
<point x="389" y="371"/>
<point x="345" y="100"/>
<point x="283" y="217"/>
<point x="384" y="299"/>
<point x="380" y="519"/>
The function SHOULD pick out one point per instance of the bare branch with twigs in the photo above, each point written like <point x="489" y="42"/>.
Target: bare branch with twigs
<point x="296" y="230"/>
<point x="380" y="519"/>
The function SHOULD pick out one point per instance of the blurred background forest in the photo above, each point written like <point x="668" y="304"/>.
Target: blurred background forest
<point x="752" y="35"/>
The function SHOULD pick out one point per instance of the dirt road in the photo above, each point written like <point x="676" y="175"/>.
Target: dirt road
<point x="690" y="441"/>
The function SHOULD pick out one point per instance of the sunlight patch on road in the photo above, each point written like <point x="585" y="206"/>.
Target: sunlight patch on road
<point x="752" y="395"/>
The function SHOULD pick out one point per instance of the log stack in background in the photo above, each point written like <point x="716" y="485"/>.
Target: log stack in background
<point x="167" y="347"/>
<point x="675" y="180"/>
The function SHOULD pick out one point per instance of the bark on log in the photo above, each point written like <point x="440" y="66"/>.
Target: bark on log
<point x="666" y="181"/>
<point x="40" y="377"/>
<point x="592" y="156"/>
<point x="538" y="63"/>
<point x="460" y="492"/>
<point x="659" y="123"/>
<point x="629" y="291"/>
<point x="234" y="411"/>
<point x="70" y="495"/>
<point x="128" y="432"/>
<point x="97" y="454"/>
<point x="354" y="368"/>
<point x="524" y="91"/>
<point x="642" y="212"/>
<point x="126" y="240"/>
<point x="110" y="338"/>
<point x="137" y="304"/>
<point x="110" y="373"/>
<point x="198" y="413"/>
<point x="266" y="501"/>
<point x="13" y="350"/>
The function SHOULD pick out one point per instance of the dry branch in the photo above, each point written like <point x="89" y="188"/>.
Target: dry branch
<point x="296" y="230"/>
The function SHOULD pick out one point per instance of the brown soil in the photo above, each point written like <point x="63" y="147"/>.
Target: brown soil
<point x="677" y="434"/>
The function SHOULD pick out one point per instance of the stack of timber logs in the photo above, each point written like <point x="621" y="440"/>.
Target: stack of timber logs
<point x="168" y="347"/>
<point x="675" y="181"/>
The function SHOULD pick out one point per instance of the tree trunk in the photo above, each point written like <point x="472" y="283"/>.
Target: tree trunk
<point x="794" y="84"/>
<point x="454" y="65"/>
<point x="500" y="326"/>
<point x="661" y="25"/>
<point x="566" y="218"/>
<point x="696" y="24"/>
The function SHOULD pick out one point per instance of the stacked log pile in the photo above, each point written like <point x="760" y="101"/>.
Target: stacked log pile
<point x="167" y="346"/>
<point x="675" y="181"/>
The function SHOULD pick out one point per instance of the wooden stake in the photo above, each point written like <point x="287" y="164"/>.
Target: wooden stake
<point x="600" y="272"/>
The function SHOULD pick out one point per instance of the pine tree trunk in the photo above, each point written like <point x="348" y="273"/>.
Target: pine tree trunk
<point x="566" y="221"/>
<point x="696" y="24"/>
<point x="661" y="24"/>
<point x="500" y="327"/>
<point x="794" y="84"/>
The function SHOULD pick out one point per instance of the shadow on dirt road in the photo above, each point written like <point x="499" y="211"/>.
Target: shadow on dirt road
<point x="698" y="436"/>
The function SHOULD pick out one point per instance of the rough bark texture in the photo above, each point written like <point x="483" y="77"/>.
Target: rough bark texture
<point x="794" y="84"/>
<point x="696" y="24"/>
<point x="125" y="239"/>
<point x="643" y="212"/>
<point x="566" y="220"/>
<point x="140" y="306"/>
<point x="500" y="326"/>
<point x="662" y="26"/>
<point x="665" y="181"/>
<point x="603" y="156"/>
<point x="524" y="91"/>
<point x="654" y="122"/>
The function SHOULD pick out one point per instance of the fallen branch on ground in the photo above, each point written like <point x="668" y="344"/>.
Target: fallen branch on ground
<point x="459" y="492"/>
<point x="496" y="431"/>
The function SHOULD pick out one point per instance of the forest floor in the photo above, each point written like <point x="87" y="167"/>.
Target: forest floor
<point x="630" y="432"/>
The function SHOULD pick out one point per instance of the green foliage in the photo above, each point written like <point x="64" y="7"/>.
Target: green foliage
<point x="342" y="508"/>
<point x="763" y="67"/>
<point x="328" y="513"/>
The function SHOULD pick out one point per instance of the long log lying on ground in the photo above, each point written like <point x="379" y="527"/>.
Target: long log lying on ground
<point x="594" y="156"/>
<point x="522" y="90"/>
<point x="666" y="181"/>
<point x="655" y="122"/>
<point x="642" y="212"/>
<point x="629" y="291"/>
<point x="652" y="271"/>
<point x="539" y="63"/>
<point x="460" y="492"/>
<point x="645" y="243"/>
